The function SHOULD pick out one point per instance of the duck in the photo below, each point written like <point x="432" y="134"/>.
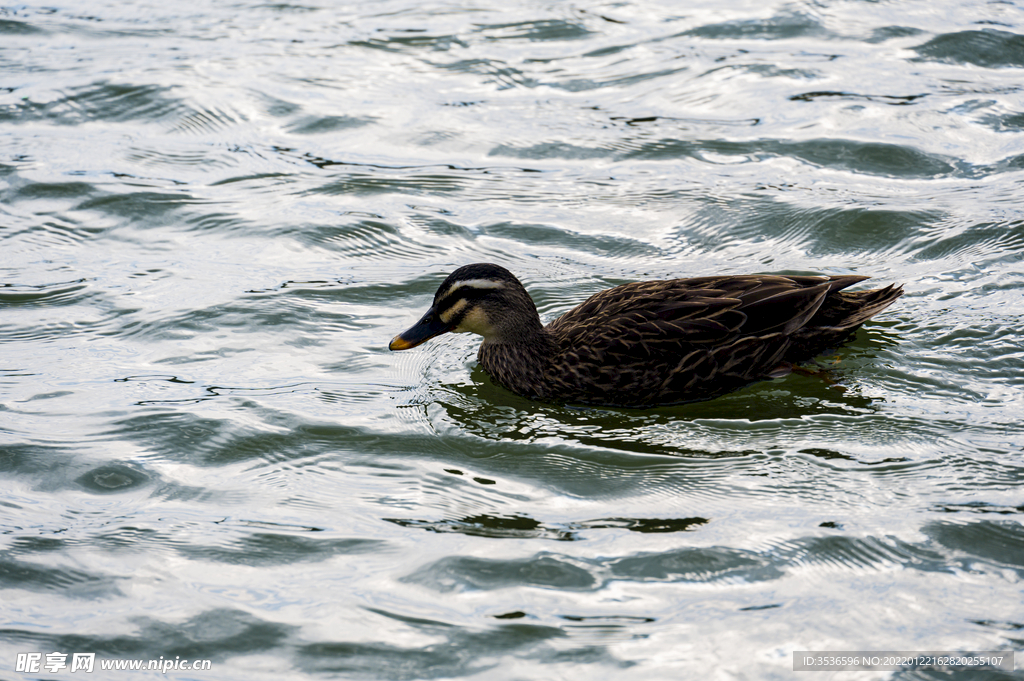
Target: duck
<point x="649" y="343"/>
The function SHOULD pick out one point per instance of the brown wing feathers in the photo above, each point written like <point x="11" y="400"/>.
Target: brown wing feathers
<point x="701" y="337"/>
<point x="699" y="310"/>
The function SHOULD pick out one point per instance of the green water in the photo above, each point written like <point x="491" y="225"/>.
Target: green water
<point x="214" y="217"/>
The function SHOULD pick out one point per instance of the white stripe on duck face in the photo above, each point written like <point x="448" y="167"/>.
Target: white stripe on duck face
<point x="473" y="283"/>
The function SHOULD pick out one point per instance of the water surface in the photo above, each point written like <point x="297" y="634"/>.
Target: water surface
<point x="213" y="217"/>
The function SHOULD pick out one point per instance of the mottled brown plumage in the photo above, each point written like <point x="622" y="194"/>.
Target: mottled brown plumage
<point x="648" y="343"/>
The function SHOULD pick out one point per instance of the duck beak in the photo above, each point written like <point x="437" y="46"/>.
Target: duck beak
<point x="427" y="327"/>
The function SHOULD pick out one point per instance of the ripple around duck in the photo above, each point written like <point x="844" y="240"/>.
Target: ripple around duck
<point x="827" y="459"/>
<point x="488" y="411"/>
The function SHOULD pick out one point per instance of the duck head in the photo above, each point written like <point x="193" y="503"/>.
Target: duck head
<point x="482" y="298"/>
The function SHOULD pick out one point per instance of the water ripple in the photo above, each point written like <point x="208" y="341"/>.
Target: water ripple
<point x="214" y="217"/>
<point x="63" y="293"/>
<point x="988" y="47"/>
<point x="104" y="101"/>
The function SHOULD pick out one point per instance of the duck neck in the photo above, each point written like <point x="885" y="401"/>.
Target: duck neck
<point x="520" y="361"/>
